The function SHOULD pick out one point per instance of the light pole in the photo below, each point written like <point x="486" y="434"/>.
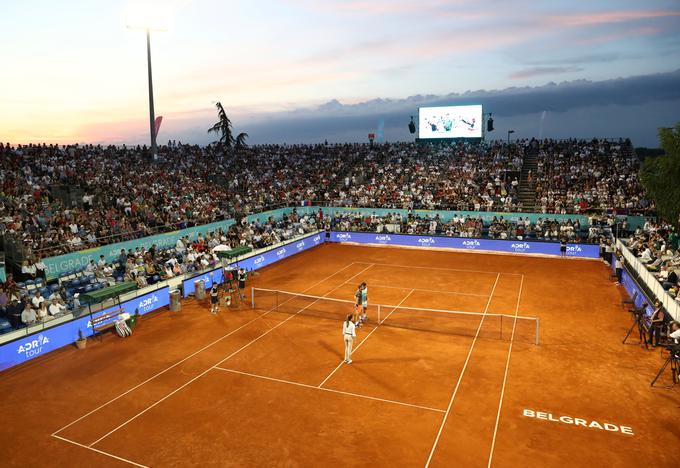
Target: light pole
<point x="509" y="132"/>
<point x="152" y="114"/>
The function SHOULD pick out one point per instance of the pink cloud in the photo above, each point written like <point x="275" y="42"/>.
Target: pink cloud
<point x="606" y="17"/>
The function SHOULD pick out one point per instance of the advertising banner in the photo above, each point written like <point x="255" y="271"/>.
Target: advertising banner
<point x="490" y="245"/>
<point x="49" y="339"/>
<point x="254" y="263"/>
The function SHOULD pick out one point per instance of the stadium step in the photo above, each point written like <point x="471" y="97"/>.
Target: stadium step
<point x="526" y="190"/>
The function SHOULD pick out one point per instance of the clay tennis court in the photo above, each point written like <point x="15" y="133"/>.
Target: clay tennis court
<point x="265" y="386"/>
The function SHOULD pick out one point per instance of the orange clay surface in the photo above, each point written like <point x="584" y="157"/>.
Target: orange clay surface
<point x="260" y="387"/>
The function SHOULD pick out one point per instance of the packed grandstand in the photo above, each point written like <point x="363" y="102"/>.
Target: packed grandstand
<point x="61" y="199"/>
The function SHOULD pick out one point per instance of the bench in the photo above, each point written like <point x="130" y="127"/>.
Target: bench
<point x="105" y="321"/>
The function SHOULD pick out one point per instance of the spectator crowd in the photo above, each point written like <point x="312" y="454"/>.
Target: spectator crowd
<point x="657" y="246"/>
<point x="58" y="199"/>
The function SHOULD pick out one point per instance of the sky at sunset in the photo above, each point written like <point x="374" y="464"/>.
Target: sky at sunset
<point x="304" y="71"/>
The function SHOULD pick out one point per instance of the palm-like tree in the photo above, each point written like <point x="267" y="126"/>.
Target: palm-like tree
<point x="241" y="140"/>
<point x="223" y="127"/>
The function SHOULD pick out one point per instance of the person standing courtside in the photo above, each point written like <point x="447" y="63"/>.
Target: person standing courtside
<point x="242" y="276"/>
<point x="349" y="334"/>
<point x="214" y="299"/>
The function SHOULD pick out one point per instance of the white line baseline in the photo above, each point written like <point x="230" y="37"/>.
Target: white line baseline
<point x="376" y="285"/>
<point x="460" y="377"/>
<point x="505" y="376"/>
<point x="99" y="451"/>
<point x="209" y="369"/>
<point x="330" y="390"/>
<point x="364" y="340"/>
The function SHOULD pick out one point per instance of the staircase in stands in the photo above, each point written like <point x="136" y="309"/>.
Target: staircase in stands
<point x="527" y="192"/>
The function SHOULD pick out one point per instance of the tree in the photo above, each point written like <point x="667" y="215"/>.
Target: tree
<point x="223" y="127"/>
<point x="661" y="175"/>
<point x="241" y="140"/>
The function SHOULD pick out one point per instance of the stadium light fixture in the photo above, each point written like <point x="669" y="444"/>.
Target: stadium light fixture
<point x="509" y="132"/>
<point x="148" y="20"/>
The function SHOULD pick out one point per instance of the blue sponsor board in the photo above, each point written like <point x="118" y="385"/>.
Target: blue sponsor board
<point x="490" y="245"/>
<point x="272" y="256"/>
<point x="254" y="263"/>
<point x="209" y="278"/>
<point x="631" y="286"/>
<point x="49" y="339"/>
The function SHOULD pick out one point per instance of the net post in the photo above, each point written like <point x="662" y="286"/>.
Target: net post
<point x="538" y="329"/>
<point x="501" y="329"/>
<point x="252" y="298"/>
<point x="379" y="318"/>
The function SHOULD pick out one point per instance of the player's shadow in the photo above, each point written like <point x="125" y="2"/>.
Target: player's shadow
<point x="332" y="349"/>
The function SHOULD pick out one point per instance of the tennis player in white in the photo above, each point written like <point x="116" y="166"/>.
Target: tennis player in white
<point x="349" y="334"/>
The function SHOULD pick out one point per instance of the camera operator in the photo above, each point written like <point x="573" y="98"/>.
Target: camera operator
<point x="658" y="323"/>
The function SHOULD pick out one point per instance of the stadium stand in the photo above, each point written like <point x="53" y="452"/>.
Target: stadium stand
<point x="60" y="199"/>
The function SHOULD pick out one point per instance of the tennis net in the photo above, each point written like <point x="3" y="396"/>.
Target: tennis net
<point x="492" y="326"/>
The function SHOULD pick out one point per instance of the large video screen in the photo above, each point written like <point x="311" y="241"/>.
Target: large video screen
<point x="450" y="122"/>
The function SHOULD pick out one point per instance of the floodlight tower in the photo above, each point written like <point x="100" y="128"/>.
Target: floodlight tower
<point x="152" y="114"/>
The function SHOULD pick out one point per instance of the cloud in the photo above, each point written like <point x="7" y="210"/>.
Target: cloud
<point x="628" y="101"/>
<point x="608" y="17"/>
<point x="538" y="71"/>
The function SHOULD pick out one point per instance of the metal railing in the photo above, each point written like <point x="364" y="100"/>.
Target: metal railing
<point x="650" y="281"/>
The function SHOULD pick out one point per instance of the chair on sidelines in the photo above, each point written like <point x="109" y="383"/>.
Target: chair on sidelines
<point x="629" y="302"/>
<point x="105" y="321"/>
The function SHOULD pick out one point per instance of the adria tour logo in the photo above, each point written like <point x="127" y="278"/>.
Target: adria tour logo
<point x="343" y="237"/>
<point x="425" y="241"/>
<point x="383" y="238"/>
<point x="148" y="304"/>
<point x="281" y="252"/>
<point x="34" y="347"/>
<point x="259" y="260"/>
<point x="300" y="245"/>
<point x="316" y="239"/>
<point x="521" y="247"/>
<point x="471" y="244"/>
<point x="574" y="249"/>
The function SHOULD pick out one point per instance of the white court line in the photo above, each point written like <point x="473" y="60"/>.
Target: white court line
<point x="99" y="451"/>
<point x="209" y="369"/>
<point x="188" y="357"/>
<point x="505" y="377"/>
<point x="330" y="390"/>
<point x="377" y="285"/>
<point x="441" y="268"/>
<point x="364" y="340"/>
<point x="460" y="377"/>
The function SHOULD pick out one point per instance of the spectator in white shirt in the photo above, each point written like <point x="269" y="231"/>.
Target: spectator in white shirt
<point x="101" y="263"/>
<point x="28" y="316"/>
<point x="28" y="270"/>
<point x="37" y="299"/>
<point x="90" y="268"/>
<point x="56" y="307"/>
